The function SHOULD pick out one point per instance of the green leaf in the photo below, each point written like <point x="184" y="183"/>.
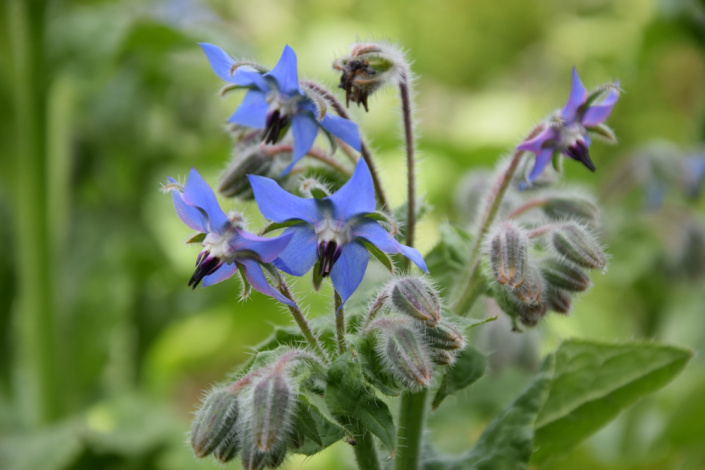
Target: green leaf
<point x="380" y="255"/>
<point x="593" y="382"/>
<point x="469" y="366"/>
<point x="353" y="404"/>
<point x="372" y="367"/>
<point x="327" y="428"/>
<point x="305" y="422"/>
<point x="198" y="238"/>
<point x="277" y="225"/>
<point x="447" y="259"/>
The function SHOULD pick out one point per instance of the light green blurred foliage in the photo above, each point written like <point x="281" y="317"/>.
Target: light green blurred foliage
<point x="131" y="99"/>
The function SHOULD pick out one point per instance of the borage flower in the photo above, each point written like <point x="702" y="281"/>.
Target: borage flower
<point x="226" y="246"/>
<point x="567" y="132"/>
<point x="332" y="230"/>
<point x="275" y="102"/>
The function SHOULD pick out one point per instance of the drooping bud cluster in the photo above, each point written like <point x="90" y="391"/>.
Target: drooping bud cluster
<point x="413" y="335"/>
<point x="253" y="416"/>
<point x="368" y="67"/>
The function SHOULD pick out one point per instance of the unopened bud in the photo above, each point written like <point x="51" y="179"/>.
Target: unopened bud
<point x="228" y="447"/>
<point x="530" y="292"/>
<point x="561" y="208"/>
<point x="442" y="357"/>
<point x="403" y="351"/>
<point x="312" y="188"/>
<point x="273" y="402"/>
<point x="564" y="275"/>
<point x="528" y="314"/>
<point x="415" y="297"/>
<point x="508" y="252"/>
<point x="580" y="246"/>
<point x="559" y="300"/>
<point x="214" y="422"/>
<point x="250" y="160"/>
<point x="444" y="336"/>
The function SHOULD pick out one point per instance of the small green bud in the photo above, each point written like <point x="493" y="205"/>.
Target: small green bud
<point x="444" y="336"/>
<point x="580" y="246"/>
<point x="561" y="208"/>
<point x="526" y="302"/>
<point x="563" y="275"/>
<point x="272" y="407"/>
<point x="228" y="447"/>
<point x="508" y="253"/>
<point x="214" y="421"/>
<point x="250" y="159"/>
<point x="530" y="292"/>
<point x="559" y="300"/>
<point x="441" y="357"/>
<point x="403" y="351"/>
<point x="415" y="297"/>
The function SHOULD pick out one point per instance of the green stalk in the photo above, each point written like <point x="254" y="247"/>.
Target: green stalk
<point x="35" y="316"/>
<point x="409" y="143"/>
<point x="339" y="323"/>
<point x="411" y="421"/>
<point x="365" y="453"/>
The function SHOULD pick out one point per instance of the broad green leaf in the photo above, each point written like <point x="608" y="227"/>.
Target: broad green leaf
<point x="380" y="255"/>
<point x="352" y="403"/>
<point x="469" y="366"/>
<point x="327" y="430"/>
<point x="52" y="448"/>
<point x="305" y="421"/>
<point x="593" y="382"/>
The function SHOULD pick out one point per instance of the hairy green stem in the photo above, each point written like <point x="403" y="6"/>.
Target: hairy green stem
<point x="410" y="159"/>
<point x="34" y="311"/>
<point x="364" y="151"/>
<point x="313" y="152"/>
<point x="303" y="325"/>
<point x="365" y="453"/>
<point x="412" y="414"/>
<point x="339" y="323"/>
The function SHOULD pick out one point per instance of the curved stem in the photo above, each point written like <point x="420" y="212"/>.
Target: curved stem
<point x="411" y="420"/>
<point x="300" y="320"/>
<point x="364" y="151"/>
<point x="410" y="160"/>
<point x="527" y="207"/>
<point x="316" y="153"/>
<point x="339" y="323"/>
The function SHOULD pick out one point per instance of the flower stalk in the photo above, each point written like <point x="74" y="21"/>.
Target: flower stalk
<point x="339" y="323"/>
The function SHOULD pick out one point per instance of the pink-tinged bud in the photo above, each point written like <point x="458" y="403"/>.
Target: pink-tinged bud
<point x="559" y="300"/>
<point x="530" y="292"/>
<point x="415" y="297"/>
<point x="272" y="407"/>
<point x="215" y="422"/>
<point x="441" y="357"/>
<point x="508" y="253"/>
<point x="571" y="207"/>
<point x="564" y="275"/>
<point x="444" y="336"/>
<point x="580" y="246"/>
<point x="525" y="303"/>
<point x="403" y="351"/>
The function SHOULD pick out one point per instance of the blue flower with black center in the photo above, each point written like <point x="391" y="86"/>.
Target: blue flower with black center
<point x="226" y="246"/>
<point x="275" y="102"/>
<point x="332" y="230"/>
<point x="567" y="132"/>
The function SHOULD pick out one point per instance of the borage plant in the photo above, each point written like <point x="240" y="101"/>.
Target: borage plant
<point x="531" y="250"/>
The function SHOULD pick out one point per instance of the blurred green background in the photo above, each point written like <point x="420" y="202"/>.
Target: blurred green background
<point x="104" y="351"/>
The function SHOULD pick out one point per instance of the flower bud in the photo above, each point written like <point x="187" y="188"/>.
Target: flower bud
<point x="250" y="160"/>
<point x="403" y="351"/>
<point x="579" y="246"/>
<point x="508" y="253"/>
<point x="441" y="357"/>
<point x="215" y="421"/>
<point x="272" y="407"/>
<point x="559" y="300"/>
<point x="444" y="336"/>
<point x="312" y="188"/>
<point x="561" y="208"/>
<point x="530" y="292"/>
<point x="566" y="276"/>
<point x="228" y="447"/>
<point x="415" y="297"/>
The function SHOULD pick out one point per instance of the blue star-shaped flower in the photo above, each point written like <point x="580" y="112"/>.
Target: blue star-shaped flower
<point x="567" y="132"/>
<point x="275" y="102"/>
<point x="226" y="247"/>
<point x="332" y="230"/>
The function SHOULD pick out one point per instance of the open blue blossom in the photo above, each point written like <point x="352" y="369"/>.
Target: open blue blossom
<point x="567" y="131"/>
<point x="226" y="246"/>
<point x="275" y="102"/>
<point x="332" y="230"/>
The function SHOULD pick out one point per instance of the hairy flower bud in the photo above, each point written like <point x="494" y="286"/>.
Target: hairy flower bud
<point x="312" y="188"/>
<point x="530" y="292"/>
<point x="214" y="421"/>
<point x="441" y="357"/>
<point x="253" y="458"/>
<point x="580" y="246"/>
<point x="403" y="351"/>
<point x="415" y="297"/>
<point x="250" y="160"/>
<point x="508" y="252"/>
<point x="564" y="275"/>
<point x="566" y="207"/>
<point x="559" y="300"/>
<point x="273" y="403"/>
<point x="444" y="336"/>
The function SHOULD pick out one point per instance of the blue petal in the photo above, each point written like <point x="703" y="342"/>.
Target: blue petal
<point x="224" y="272"/>
<point x="222" y="64"/>
<point x="254" y="275"/>
<point x="301" y="253"/>
<point x="285" y="73"/>
<point x="342" y="128"/>
<point x="373" y="232"/>
<point x="537" y="143"/>
<point x="305" y="129"/>
<point x="578" y="95"/>
<point x="278" y="205"/>
<point x="597" y="114"/>
<point x="252" y="112"/>
<point x="267" y="249"/>
<point x="348" y="271"/>
<point x="197" y="193"/>
<point x="195" y="219"/>
<point x="541" y="162"/>
<point x="357" y="196"/>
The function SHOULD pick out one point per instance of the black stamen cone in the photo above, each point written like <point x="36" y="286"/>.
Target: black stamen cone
<point x="579" y="152"/>
<point x="328" y="254"/>
<point x="274" y="127"/>
<point x="353" y="91"/>
<point x="206" y="266"/>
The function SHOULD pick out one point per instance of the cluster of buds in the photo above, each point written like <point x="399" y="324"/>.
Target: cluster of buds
<point x="540" y="269"/>
<point x="252" y="417"/>
<point x="413" y="335"/>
